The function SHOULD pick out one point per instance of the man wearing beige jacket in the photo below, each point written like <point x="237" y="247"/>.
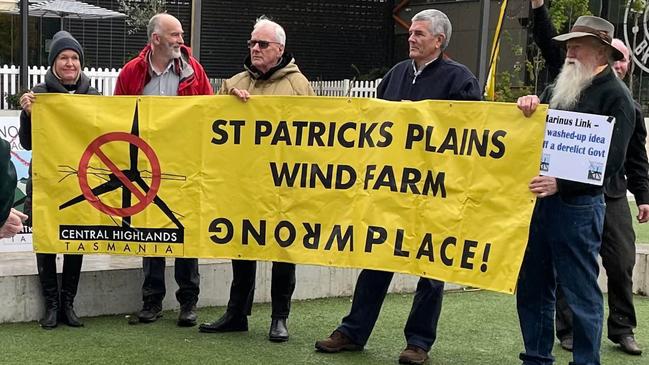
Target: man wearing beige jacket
<point x="268" y="71"/>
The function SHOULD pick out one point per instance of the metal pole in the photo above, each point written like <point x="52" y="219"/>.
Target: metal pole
<point x="196" y="28"/>
<point x="483" y="52"/>
<point x="24" y="64"/>
<point x="635" y="43"/>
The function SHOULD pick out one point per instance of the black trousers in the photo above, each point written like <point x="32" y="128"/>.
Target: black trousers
<point x="242" y="290"/>
<point x="185" y="273"/>
<point x="618" y="258"/>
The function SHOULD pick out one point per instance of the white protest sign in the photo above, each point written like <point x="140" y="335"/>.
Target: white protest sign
<point x="576" y="146"/>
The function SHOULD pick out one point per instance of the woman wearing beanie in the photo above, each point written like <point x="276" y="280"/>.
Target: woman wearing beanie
<point x="64" y="76"/>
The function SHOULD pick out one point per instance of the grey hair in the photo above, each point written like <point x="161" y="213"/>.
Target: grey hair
<point x="604" y="47"/>
<point x="280" y="35"/>
<point x="439" y="23"/>
<point x="154" y="24"/>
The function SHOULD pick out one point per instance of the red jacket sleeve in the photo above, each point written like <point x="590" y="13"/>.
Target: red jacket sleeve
<point x="204" y="86"/>
<point x="119" y="85"/>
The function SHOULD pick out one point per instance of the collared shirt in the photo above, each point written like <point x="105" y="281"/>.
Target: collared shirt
<point x="418" y="72"/>
<point x="164" y="83"/>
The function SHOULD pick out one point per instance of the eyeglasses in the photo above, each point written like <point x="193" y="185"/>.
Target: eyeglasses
<point x="262" y="44"/>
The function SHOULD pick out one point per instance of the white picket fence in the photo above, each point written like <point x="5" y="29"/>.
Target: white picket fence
<point x="346" y="87"/>
<point x="104" y="80"/>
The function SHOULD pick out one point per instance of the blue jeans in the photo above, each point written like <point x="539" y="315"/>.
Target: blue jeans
<point x="371" y="287"/>
<point x="564" y="242"/>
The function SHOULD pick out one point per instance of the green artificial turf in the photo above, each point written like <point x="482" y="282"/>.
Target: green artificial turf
<point x="478" y="328"/>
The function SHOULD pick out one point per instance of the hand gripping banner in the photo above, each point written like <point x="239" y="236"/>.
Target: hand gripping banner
<point x="432" y="188"/>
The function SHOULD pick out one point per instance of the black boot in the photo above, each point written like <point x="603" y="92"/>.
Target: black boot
<point x="69" y="284"/>
<point x="278" y="330"/>
<point x="67" y="315"/>
<point x="149" y="313"/>
<point x="187" y="316"/>
<point x="46" y="264"/>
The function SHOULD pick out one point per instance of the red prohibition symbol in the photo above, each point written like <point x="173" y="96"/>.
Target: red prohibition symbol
<point x="94" y="149"/>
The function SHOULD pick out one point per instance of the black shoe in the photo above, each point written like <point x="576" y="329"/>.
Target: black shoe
<point x="227" y="323"/>
<point x="187" y="316"/>
<point x="68" y="316"/>
<point x="278" y="330"/>
<point x="50" y="319"/>
<point x="566" y="343"/>
<point x="149" y="313"/>
<point x="629" y="345"/>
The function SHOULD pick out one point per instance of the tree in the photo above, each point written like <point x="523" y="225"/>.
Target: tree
<point x="139" y="12"/>
<point x="509" y="87"/>
<point x="638" y="6"/>
<point x="564" y="12"/>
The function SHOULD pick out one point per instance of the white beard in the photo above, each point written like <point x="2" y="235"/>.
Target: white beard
<point x="175" y="52"/>
<point x="572" y="80"/>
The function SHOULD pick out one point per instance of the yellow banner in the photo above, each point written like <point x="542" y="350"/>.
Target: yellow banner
<point x="432" y="188"/>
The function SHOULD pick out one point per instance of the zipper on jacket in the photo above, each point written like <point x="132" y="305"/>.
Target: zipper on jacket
<point x="414" y="79"/>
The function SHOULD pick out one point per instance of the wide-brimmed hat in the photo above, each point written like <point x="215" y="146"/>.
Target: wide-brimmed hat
<point x="592" y="26"/>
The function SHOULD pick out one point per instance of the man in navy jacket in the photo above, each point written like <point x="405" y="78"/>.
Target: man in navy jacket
<point x="428" y="74"/>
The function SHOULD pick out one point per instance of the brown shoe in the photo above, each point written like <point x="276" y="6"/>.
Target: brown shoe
<point x="413" y="355"/>
<point x="337" y="342"/>
<point x="629" y="345"/>
<point x="566" y="343"/>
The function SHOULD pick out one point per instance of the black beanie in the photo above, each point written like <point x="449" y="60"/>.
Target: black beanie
<point x="61" y="41"/>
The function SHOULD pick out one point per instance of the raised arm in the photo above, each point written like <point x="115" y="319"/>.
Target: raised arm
<point x="543" y="31"/>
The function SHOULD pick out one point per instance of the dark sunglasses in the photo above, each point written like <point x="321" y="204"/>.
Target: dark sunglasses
<point x="262" y="44"/>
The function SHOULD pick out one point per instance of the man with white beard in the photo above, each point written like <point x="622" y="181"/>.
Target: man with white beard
<point x="165" y="67"/>
<point x="618" y="243"/>
<point x="567" y="223"/>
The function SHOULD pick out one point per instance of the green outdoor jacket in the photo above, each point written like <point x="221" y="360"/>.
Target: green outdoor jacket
<point x="7" y="181"/>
